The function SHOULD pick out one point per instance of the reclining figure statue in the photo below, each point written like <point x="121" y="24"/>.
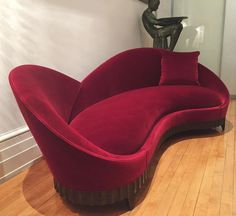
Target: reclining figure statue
<point x="170" y="27"/>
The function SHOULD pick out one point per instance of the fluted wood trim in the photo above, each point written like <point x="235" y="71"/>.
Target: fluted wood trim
<point x="100" y="198"/>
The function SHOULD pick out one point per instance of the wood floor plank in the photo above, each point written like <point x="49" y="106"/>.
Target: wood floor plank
<point x="234" y="176"/>
<point x="167" y="199"/>
<point x="188" y="207"/>
<point x="202" y="203"/>
<point x="183" y="188"/>
<point x="217" y="179"/>
<point x="226" y="207"/>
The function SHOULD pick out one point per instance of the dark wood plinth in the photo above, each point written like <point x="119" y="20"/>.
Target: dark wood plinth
<point x="103" y="197"/>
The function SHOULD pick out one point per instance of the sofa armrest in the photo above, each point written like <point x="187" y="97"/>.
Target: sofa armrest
<point x="45" y="88"/>
<point x="209" y="80"/>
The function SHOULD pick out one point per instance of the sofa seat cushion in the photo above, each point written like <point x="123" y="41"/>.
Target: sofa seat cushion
<point x="121" y="124"/>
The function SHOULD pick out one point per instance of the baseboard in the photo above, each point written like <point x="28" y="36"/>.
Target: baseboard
<point x="17" y="153"/>
<point x="13" y="133"/>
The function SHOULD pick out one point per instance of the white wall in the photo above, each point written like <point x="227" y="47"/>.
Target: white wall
<point x="228" y="69"/>
<point x="72" y="36"/>
<point x="203" y="29"/>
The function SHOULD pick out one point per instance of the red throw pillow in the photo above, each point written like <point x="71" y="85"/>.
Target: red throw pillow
<point x="179" y="68"/>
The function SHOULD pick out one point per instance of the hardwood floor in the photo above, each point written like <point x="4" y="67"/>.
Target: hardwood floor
<point x="195" y="175"/>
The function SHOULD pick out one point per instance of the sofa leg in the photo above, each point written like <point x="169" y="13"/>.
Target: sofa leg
<point x="131" y="197"/>
<point x="131" y="202"/>
<point x="223" y="126"/>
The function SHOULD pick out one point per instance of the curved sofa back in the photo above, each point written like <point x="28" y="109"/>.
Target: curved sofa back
<point x="46" y="98"/>
<point x="132" y="69"/>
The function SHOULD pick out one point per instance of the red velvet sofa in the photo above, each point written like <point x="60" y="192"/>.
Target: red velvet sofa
<point x="98" y="136"/>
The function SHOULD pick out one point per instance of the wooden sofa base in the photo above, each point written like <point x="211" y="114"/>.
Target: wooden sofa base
<point x="130" y="191"/>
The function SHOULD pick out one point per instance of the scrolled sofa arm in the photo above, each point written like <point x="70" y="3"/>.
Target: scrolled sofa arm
<point x="210" y="80"/>
<point x="50" y="88"/>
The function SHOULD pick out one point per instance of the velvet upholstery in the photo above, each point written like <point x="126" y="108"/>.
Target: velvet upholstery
<point x="101" y="133"/>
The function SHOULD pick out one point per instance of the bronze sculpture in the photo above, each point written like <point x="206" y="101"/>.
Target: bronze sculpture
<point x="171" y="27"/>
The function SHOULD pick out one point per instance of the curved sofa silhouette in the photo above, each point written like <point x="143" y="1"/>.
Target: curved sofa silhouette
<point x="98" y="136"/>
